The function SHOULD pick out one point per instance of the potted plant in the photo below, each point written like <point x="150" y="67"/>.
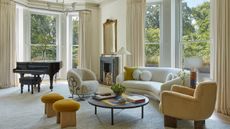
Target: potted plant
<point x="118" y="89"/>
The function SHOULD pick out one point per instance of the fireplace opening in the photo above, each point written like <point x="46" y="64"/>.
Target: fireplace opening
<point x="107" y="67"/>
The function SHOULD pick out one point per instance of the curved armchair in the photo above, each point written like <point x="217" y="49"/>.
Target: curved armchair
<point x="82" y="82"/>
<point x="189" y="104"/>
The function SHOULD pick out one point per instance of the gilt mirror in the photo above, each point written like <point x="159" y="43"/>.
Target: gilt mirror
<point x="110" y="36"/>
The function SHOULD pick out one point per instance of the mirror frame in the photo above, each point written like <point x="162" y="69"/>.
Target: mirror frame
<point x="110" y="22"/>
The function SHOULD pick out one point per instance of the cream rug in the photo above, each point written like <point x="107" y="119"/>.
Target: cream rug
<point x="26" y="111"/>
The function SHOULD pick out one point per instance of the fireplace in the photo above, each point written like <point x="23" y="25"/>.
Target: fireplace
<point x="108" y="69"/>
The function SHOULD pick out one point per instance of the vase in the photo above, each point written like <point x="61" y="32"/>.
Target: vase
<point x="118" y="94"/>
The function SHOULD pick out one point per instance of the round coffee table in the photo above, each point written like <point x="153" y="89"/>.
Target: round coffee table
<point x="102" y="104"/>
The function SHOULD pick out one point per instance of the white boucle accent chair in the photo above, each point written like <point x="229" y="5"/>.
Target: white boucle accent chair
<point x="157" y="84"/>
<point x="82" y="82"/>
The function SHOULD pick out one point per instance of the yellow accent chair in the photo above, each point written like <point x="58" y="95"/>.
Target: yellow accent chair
<point x="189" y="104"/>
<point x="66" y="112"/>
<point x="49" y="99"/>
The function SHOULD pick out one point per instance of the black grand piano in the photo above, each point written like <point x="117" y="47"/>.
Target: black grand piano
<point x="38" y="68"/>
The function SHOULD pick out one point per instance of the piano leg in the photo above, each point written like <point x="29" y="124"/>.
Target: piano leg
<point x="39" y="87"/>
<point x="21" y="88"/>
<point x="32" y="89"/>
<point x="51" y="82"/>
<point x="28" y="88"/>
<point x="21" y="75"/>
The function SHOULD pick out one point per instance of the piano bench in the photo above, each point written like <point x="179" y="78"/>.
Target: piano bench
<point x="30" y="81"/>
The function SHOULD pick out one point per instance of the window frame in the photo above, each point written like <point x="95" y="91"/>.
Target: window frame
<point x="161" y="32"/>
<point x="70" y="39"/>
<point x="57" y="44"/>
<point x="182" y="42"/>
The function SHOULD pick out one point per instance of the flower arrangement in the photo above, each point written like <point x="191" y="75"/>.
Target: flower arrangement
<point x="118" y="89"/>
<point x="183" y="76"/>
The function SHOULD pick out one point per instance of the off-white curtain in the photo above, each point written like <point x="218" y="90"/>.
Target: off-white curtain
<point x="7" y="43"/>
<point x="221" y="53"/>
<point x="135" y="32"/>
<point x="89" y="51"/>
<point x="84" y="40"/>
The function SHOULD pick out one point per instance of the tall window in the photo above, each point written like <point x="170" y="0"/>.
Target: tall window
<point x="152" y="35"/>
<point x="196" y="33"/>
<point x="75" y="40"/>
<point x="43" y="37"/>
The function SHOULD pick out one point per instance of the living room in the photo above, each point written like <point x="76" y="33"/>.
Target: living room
<point x="78" y="49"/>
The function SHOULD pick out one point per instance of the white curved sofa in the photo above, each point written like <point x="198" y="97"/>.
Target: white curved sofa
<point x="157" y="83"/>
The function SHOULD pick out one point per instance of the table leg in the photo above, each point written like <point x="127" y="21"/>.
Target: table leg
<point x="142" y="112"/>
<point x="111" y="116"/>
<point x="95" y="110"/>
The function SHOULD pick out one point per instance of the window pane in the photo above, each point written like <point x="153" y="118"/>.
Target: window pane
<point x="43" y="53"/>
<point x="152" y="35"/>
<point x="75" y="22"/>
<point x="43" y="37"/>
<point x="75" y="56"/>
<point x="75" y="35"/>
<point x="196" y="20"/>
<point x="196" y="36"/>
<point x="152" y="53"/>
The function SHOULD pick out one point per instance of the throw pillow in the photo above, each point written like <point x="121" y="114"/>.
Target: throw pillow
<point x="146" y="76"/>
<point x="169" y="77"/>
<point x="128" y="75"/>
<point x="136" y="74"/>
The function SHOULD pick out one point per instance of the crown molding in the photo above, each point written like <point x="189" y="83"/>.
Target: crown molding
<point x="57" y="7"/>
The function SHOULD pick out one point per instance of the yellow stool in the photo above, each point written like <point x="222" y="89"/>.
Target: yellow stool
<point x="66" y="112"/>
<point x="49" y="99"/>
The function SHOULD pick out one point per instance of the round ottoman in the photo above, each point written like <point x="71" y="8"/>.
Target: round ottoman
<point x="66" y="112"/>
<point x="49" y="99"/>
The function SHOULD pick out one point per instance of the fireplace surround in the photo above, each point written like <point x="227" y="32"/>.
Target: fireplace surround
<point x="108" y="69"/>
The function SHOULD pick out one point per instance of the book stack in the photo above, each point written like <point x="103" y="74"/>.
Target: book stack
<point x="102" y="96"/>
<point x="136" y="99"/>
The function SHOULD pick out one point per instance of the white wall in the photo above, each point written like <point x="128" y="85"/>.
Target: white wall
<point x="115" y="9"/>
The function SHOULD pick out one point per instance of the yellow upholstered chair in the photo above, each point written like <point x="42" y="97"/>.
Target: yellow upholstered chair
<point x="48" y="100"/>
<point x="66" y="112"/>
<point x="189" y="104"/>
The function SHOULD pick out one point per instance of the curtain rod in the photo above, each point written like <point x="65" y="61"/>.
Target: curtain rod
<point x="85" y="10"/>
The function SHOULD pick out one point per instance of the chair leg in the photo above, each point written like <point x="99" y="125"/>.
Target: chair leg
<point x="199" y="124"/>
<point x="68" y="119"/>
<point x="170" y="121"/>
<point x="45" y="108"/>
<point x="58" y="117"/>
<point x="49" y="110"/>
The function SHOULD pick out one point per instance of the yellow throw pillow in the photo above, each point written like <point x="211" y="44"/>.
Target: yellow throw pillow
<point x="128" y="75"/>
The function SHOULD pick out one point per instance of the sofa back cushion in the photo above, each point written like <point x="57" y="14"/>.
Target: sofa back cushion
<point x="159" y="74"/>
<point x="129" y="73"/>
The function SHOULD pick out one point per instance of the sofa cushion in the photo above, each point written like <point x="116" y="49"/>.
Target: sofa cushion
<point x="169" y="77"/>
<point x="129" y="73"/>
<point x="136" y="74"/>
<point x="146" y="75"/>
<point x="154" y="87"/>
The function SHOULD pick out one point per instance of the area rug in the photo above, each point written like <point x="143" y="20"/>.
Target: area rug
<point x="26" y="111"/>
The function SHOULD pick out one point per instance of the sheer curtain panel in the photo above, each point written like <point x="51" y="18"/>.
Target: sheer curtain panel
<point x="7" y="43"/>
<point x="221" y="53"/>
<point x="89" y="39"/>
<point x="135" y="32"/>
